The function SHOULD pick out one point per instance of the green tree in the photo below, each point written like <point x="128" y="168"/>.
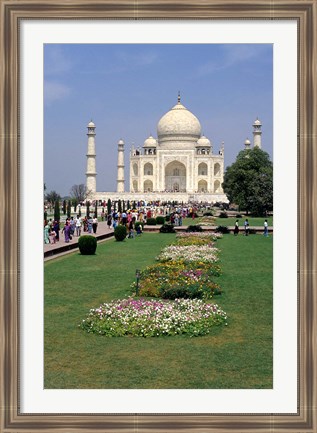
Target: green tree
<point x="64" y="207"/>
<point x="248" y="182"/>
<point x="96" y="208"/>
<point x="57" y="213"/>
<point x="52" y="196"/>
<point x="69" y="208"/>
<point x="119" y="206"/>
<point x="109" y="206"/>
<point x="87" y="209"/>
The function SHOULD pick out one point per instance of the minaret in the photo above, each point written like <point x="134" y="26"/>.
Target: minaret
<point x="120" y="178"/>
<point x="91" y="159"/>
<point x="257" y="133"/>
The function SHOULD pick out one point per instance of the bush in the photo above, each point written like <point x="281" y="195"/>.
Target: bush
<point x="139" y="223"/>
<point x="223" y="215"/>
<point x="87" y="245"/>
<point x="167" y="218"/>
<point x="209" y="213"/>
<point x="120" y="232"/>
<point x="222" y="229"/>
<point x="160" y="220"/>
<point x="167" y="228"/>
<point x="151" y="222"/>
<point x="238" y="215"/>
<point x="194" y="228"/>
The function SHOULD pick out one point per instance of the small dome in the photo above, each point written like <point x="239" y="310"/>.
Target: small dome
<point x="257" y="122"/>
<point x="120" y="141"/>
<point x="91" y="124"/>
<point x="150" y="142"/>
<point x="203" y="142"/>
<point x="178" y="122"/>
<point x="247" y="142"/>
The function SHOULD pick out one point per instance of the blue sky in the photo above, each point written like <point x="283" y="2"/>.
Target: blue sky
<point x="126" y="88"/>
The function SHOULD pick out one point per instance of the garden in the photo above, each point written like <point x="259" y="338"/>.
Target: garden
<point x="106" y="329"/>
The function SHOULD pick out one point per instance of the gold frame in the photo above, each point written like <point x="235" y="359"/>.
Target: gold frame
<point x="11" y="12"/>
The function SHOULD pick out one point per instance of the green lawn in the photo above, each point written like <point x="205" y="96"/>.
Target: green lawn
<point x="230" y="221"/>
<point x="235" y="356"/>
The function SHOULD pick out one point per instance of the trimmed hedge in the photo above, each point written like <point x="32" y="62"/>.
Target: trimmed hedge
<point x="222" y="229"/>
<point x="151" y="221"/>
<point x="160" y="220"/>
<point x="167" y="228"/>
<point x="87" y="245"/>
<point x="120" y="233"/>
<point x="194" y="228"/>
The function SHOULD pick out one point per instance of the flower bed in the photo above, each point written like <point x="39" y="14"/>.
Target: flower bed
<point x="197" y="238"/>
<point x="177" y="279"/>
<point x="189" y="253"/>
<point x="145" y="318"/>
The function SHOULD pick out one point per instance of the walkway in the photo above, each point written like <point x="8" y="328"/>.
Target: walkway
<point x="52" y="251"/>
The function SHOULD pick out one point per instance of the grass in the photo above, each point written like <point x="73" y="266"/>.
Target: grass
<point x="236" y="356"/>
<point x="230" y="221"/>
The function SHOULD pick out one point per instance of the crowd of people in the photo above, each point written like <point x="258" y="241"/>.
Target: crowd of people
<point x="75" y="226"/>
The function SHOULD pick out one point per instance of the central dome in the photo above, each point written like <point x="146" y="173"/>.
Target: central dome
<point x="178" y="123"/>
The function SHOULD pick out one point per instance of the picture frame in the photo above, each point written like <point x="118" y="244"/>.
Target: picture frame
<point x="11" y="14"/>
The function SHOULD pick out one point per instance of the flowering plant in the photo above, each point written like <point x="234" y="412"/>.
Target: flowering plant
<point x="189" y="253"/>
<point x="153" y="318"/>
<point x="177" y="279"/>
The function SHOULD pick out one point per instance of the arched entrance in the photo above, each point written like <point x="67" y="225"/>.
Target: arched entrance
<point x="148" y="186"/>
<point x="202" y="186"/>
<point x="175" y="177"/>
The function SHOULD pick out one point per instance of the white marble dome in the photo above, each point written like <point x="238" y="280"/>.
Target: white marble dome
<point x="91" y="124"/>
<point x="203" y="142"/>
<point x="178" y="123"/>
<point x="150" y="142"/>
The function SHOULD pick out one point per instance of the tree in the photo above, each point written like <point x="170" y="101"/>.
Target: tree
<point x="69" y="208"/>
<point x="64" y="207"/>
<point x="109" y="206"/>
<point x="57" y="214"/>
<point x="52" y="197"/>
<point x="248" y="182"/>
<point x="96" y="209"/>
<point x="79" y="192"/>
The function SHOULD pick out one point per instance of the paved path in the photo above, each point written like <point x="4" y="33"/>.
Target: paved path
<point x="103" y="232"/>
<point x="61" y="247"/>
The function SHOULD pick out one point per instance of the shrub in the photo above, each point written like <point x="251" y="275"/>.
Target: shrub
<point x="167" y="228"/>
<point x="238" y="215"/>
<point x="160" y="220"/>
<point x="194" y="228"/>
<point x="223" y="215"/>
<point x="167" y="218"/>
<point x="120" y="232"/>
<point x="139" y="223"/>
<point x="222" y="229"/>
<point x="151" y="222"/>
<point x="208" y="213"/>
<point x="87" y="244"/>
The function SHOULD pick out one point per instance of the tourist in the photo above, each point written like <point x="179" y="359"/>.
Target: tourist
<point x="95" y="224"/>
<point x="56" y="229"/>
<point x="266" y="231"/>
<point x="89" y="224"/>
<point x="246" y="227"/>
<point x="66" y="231"/>
<point x="85" y="223"/>
<point x="102" y="215"/>
<point x="46" y="232"/>
<point x="78" y="225"/>
<point x="139" y="229"/>
<point x="236" y="228"/>
<point x="131" y="227"/>
<point x="109" y="220"/>
<point x="52" y="236"/>
<point x="72" y="226"/>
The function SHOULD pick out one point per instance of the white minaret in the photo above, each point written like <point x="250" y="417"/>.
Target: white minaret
<point x="120" y="178"/>
<point x="91" y="158"/>
<point x="257" y="133"/>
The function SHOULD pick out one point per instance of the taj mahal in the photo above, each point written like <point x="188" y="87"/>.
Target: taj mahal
<point x="179" y="165"/>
